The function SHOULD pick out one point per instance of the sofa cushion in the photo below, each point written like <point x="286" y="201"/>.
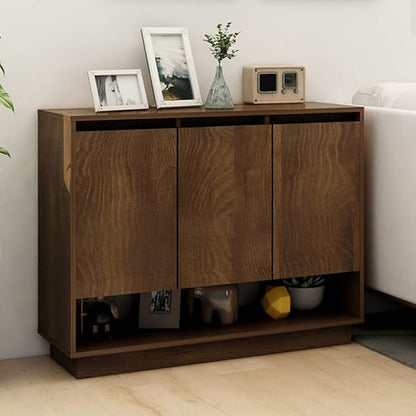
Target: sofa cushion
<point x="401" y="95"/>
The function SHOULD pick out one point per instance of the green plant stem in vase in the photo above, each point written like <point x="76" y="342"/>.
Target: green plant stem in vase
<point x="219" y="96"/>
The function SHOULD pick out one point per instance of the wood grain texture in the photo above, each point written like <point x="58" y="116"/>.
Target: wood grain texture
<point x="54" y="294"/>
<point x="108" y="198"/>
<point x="185" y="112"/>
<point x="124" y="203"/>
<point x="224" y="205"/>
<point x="343" y="380"/>
<point x="258" y="326"/>
<point x="200" y="353"/>
<point x="317" y="198"/>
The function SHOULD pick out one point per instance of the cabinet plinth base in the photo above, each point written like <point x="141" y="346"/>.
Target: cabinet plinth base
<point x="198" y="353"/>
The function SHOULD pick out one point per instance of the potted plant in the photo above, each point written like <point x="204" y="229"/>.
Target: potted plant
<point x="6" y="101"/>
<point x="306" y="292"/>
<point x="219" y="96"/>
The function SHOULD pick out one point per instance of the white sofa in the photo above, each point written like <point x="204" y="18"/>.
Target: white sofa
<point x="390" y="137"/>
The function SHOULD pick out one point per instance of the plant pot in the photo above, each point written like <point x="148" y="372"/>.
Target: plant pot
<point x="306" y="298"/>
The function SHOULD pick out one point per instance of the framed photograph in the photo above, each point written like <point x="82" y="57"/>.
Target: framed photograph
<point x="160" y="309"/>
<point x="171" y="67"/>
<point x="118" y="90"/>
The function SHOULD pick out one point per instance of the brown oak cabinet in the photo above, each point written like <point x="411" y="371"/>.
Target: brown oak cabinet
<point x="224" y="194"/>
<point x="317" y="187"/>
<point x="131" y="202"/>
<point x="124" y="208"/>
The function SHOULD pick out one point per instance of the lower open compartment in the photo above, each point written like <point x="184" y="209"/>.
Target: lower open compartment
<point x="123" y="341"/>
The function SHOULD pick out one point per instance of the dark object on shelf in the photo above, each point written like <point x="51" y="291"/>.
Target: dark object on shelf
<point x="160" y="309"/>
<point x="221" y="299"/>
<point x="99" y="320"/>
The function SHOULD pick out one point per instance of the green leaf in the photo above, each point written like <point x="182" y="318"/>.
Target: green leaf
<point x="5" y="99"/>
<point x="305" y="281"/>
<point x="2" y="69"/>
<point x="221" y="42"/>
<point x="3" y="151"/>
<point x="319" y="280"/>
<point x="291" y="282"/>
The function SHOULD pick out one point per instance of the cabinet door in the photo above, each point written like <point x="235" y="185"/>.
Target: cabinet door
<point x="316" y="201"/>
<point x="224" y="205"/>
<point x="123" y="193"/>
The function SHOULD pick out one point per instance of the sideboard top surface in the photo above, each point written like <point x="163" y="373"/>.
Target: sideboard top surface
<point x="200" y="112"/>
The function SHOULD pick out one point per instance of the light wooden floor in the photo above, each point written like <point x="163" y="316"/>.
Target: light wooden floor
<point x="344" y="380"/>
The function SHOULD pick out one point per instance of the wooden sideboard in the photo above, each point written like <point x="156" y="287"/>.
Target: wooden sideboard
<point x="133" y="202"/>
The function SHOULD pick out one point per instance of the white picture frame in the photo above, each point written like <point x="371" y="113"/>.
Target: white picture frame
<point x="171" y="67"/>
<point x="160" y="309"/>
<point x="117" y="90"/>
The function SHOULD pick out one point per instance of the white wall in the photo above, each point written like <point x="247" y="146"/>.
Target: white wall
<point x="47" y="46"/>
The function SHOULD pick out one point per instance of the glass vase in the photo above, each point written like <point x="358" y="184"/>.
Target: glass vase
<point x="219" y="96"/>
